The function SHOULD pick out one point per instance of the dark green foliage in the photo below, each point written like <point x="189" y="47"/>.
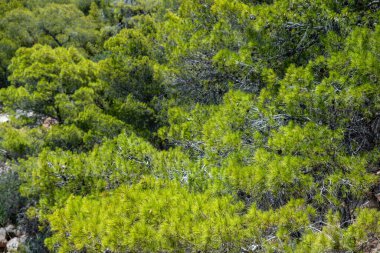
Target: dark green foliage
<point x="129" y="69"/>
<point x="10" y="199"/>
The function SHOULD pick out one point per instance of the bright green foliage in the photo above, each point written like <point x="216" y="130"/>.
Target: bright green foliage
<point x="62" y="84"/>
<point x="213" y="43"/>
<point x="293" y="161"/>
<point x="19" y="142"/>
<point x="280" y="227"/>
<point x="152" y="216"/>
<point x="338" y="91"/>
<point x="26" y="23"/>
<point x="124" y="160"/>
<point x="333" y="238"/>
<point x="303" y="163"/>
<point x="41" y="73"/>
<point x="57" y="174"/>
<point x="66" y="66"/>
<point x="367" y="224"/>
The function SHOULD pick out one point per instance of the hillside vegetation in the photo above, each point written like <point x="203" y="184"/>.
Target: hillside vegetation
<point x="190" y="125"/>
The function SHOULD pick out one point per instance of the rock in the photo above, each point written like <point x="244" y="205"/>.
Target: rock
<point x="23" y="238"/>
<point x="10" y="228"/>
<point x="3" y="166"/>
<point x="375" y="247"/>
<point x="19" y="233"/>
<point x="4" y="118"/>
<point x="48" y="122"/>
<point x="377" y="195"/>
<point x="3" y="245"/>
<point x="11" y="231"/>
<point x="13" y="244"/>
<point x="3" y="238"/>
<point x="3" y="233"/>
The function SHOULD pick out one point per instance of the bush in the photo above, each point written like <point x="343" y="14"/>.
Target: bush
<point x="10" y="198"/>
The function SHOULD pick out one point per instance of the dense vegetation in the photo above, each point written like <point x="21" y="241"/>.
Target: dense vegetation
<point x="191" y="125"/>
